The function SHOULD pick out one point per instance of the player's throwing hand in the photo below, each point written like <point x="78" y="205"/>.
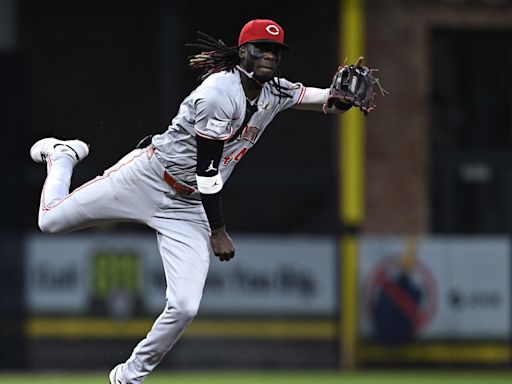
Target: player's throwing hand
<point x="222" y="244"/>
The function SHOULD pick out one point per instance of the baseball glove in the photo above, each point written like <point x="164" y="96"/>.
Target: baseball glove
<point x="353" y="85"/>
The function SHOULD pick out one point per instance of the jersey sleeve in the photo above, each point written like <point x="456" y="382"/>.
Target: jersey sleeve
<point x="295" y="90"/>
<point x="214" y="112"/>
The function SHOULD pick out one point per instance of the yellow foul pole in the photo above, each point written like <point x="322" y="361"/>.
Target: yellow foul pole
<point x="351" y="183"/>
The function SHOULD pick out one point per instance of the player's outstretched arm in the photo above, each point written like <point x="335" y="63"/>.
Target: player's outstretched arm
<point x="315" y="99"/>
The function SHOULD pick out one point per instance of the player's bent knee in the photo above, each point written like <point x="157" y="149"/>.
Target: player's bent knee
<point x="47" y="225"/>
<point x="186" y="314"/>
<point x="184" y="311"/>
<point x="189" y="313"/>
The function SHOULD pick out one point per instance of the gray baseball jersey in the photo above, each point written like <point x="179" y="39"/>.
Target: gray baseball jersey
<point x="216" y="110"/>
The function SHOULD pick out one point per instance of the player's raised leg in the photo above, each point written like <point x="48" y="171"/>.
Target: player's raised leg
<point x="109" y="197"/>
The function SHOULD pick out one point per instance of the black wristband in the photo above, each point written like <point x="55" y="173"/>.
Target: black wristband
<point x="213" y="208"/>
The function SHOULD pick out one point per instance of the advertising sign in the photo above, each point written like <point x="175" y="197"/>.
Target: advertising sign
<point x="121" y="275"/>
<point x="435" y="288"/>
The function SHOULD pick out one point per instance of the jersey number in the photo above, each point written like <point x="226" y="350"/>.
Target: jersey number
<point x="237" y="157"/>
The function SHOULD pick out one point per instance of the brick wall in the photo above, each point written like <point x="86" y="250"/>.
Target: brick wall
<point x="397" y="141"/>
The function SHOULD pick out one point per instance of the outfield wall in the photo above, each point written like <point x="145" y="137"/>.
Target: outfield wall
<point x="447" y="295"/>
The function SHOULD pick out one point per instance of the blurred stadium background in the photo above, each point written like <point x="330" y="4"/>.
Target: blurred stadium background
<point x="369" y="244"/>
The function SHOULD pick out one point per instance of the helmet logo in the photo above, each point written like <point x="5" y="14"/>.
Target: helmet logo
<point x="272" y="29"/>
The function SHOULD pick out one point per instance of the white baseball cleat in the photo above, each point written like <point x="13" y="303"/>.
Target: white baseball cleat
<point x="43" y="148"/>
<point x="115" y="375"/>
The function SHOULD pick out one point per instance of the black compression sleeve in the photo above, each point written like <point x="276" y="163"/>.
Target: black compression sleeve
<point x="209" y="153"/>
<point x="213" y="207"/>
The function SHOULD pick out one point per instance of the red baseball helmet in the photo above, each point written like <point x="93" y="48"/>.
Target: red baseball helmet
<point x="262" y="31"/>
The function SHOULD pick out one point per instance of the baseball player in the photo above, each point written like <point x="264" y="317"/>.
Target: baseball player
<point x="174" y="184"/>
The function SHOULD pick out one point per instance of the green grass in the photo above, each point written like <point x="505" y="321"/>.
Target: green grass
<point x="295" y="377"/>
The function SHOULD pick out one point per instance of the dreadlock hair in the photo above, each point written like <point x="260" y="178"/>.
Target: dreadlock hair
<point x="281" y="91"/>
<point x="216" y="56"/>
